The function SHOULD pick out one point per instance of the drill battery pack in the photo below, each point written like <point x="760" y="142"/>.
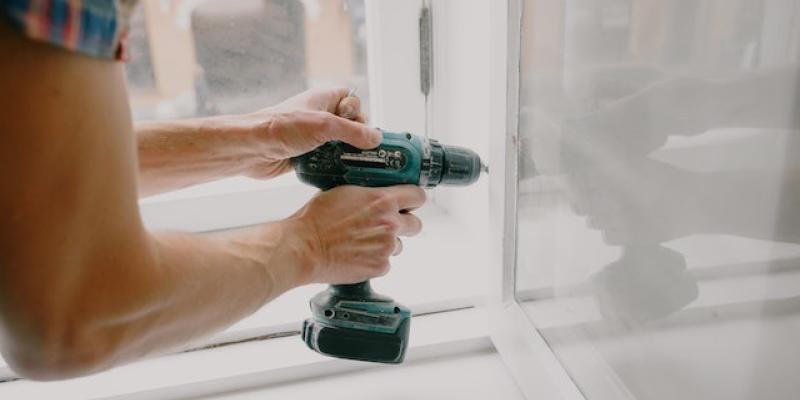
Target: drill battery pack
<point x="356" y="344"/>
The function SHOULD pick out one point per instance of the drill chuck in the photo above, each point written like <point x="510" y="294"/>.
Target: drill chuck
<point x="453" y="165"/>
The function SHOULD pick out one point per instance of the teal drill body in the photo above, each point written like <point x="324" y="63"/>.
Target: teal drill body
<point x="352" y="321"/>
<point x="397" y="161"/>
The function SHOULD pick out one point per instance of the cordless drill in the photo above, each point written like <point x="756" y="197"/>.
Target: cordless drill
<point x="352" y="321"/>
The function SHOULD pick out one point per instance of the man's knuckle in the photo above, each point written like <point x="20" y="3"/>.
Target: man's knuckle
<point x="386" y="231"/>
<point x="277" y="123"/>
<point x="389" y="223"/>
<point x="313" y="123"/>
<point x="379" y="194"/>
<point x="387" y="246"/>
<point x="417" y="224"/>
<point x="380" y="201"/>
<point x="362" y="135"/>
<point x="383" y="268"/>
<point x="321" y="128"/>
<point x="297" y="115"/>
<point x="389" y="232"/>
<point x="417" y="193"/>
<point x="380" y="265"/>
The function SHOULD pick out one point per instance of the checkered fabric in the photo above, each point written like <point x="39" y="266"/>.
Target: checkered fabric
<point x="98" y="28"/>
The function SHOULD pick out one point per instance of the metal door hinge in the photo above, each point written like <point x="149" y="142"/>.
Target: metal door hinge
<point x="425" y="49"/>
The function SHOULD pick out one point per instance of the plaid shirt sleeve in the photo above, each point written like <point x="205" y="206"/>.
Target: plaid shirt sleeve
<point x="98" y="28"/>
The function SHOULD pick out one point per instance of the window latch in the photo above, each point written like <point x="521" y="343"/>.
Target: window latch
<point x="425" y="49"/>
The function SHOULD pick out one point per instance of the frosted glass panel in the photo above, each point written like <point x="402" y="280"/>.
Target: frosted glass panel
<point x="659" y="194"/>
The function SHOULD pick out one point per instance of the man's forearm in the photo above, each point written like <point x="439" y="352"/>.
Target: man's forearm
<point x="260" y="144"/>
<point x="151" y="294"/>
<point x="177" y="154"/>
<point x="205" y="284"/>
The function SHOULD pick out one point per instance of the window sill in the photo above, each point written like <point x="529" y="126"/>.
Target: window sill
<point x="253" y="364"/>
<point x="225" y="204"/>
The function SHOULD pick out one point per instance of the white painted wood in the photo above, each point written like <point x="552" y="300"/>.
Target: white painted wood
<point x="252" y="364"/>
<point x="471" y="376"/>
<point x="393" y="65"/>
<point x="527" y="356"/>
<point x="458" y="105"/>
<point x="224" y="205"/>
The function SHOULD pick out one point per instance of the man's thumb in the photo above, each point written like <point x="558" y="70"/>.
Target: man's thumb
<point x="357" y="134"/>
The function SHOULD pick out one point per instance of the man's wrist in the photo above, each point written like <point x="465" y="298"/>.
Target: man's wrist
<point x="243" y="135"/>
<point x="299" y="242"/>
<point x="256" y="133"/>
<point x="280" y="249"/>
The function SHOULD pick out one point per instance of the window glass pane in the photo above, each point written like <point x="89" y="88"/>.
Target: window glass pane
<point x="204" y="57"/>
<point x="659" y="194"/>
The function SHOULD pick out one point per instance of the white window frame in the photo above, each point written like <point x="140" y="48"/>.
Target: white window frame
<point x="532" y="363"/>
<point x="452" y="326"/>
<point x="529" y="359"/>
<point x="253" y="365"/>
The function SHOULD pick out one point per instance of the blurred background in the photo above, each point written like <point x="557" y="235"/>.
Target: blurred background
<point x="192" y="58"/>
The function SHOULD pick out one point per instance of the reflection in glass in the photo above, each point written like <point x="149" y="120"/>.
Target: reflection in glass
<point x="659" y="194"/>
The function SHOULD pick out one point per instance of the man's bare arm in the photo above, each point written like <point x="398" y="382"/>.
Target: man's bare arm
<point x="83" y="286"/>
<point x="176" y="154"/>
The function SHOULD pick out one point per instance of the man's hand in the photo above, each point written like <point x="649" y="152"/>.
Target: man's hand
<point x="177" y="154"/>
<point x="349" y="233"/>
<point x="303" y="123"/>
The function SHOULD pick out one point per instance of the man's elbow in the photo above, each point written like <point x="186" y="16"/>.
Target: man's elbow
<point x="55" y="350"/>
<point x="58" y="313"/>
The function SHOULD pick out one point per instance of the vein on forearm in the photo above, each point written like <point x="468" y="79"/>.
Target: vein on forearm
<point x="178" y="154"/>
